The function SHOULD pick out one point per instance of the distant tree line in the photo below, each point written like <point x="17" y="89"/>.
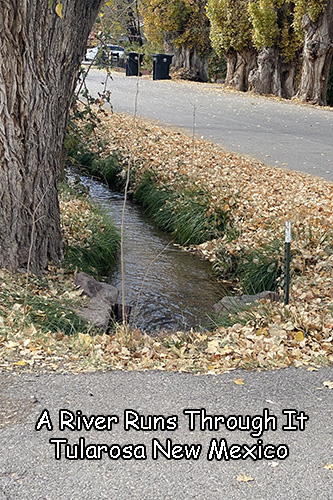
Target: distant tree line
<point x="278" y="47"/>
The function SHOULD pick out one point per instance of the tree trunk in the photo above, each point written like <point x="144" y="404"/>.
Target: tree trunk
<point x="266" y="78"/>
<point x="317" y="57"/>
<point x="239" y="67"/>
<point x="231" y="60"/>
<point x="40" y="56"/>
<point x="133" y="24"/>
<point x="194" y="64"/>
<point x="288" y="77"/>
<point x="272" y="75"/>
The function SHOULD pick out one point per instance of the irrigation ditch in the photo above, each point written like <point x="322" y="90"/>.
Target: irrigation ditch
<point x="167" y="287"/>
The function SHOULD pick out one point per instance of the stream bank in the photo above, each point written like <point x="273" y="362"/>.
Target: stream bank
<point x="167" y="287"/>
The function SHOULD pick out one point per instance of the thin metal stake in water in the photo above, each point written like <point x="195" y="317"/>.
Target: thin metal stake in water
<point x="287" y="262"/>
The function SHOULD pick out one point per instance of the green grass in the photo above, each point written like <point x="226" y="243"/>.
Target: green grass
<point x="97" y="254"/>
<point x="254" y="270"/>
<point x="108" y="169"/>
<point x="185" y="214"/>
<point x="53" y="315"/>
<point x="48" y="307"/>
<point x="259" y="269"/>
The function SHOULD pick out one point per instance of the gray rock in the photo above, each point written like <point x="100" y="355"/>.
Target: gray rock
<point x="92" y="287"/>
<point x="103" y="300"/>
<point x="232" y="304"/>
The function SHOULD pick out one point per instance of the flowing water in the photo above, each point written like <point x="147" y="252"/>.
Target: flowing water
<point x="168" y="288"/>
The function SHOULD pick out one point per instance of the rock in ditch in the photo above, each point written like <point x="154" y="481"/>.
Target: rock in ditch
<point x="232" y="304"/>
<point x="103" y="300"/>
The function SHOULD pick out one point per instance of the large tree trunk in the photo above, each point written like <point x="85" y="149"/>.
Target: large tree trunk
<point x="317" y="57"/>
<point x="194" y="64"/>
<point x="239" y="67"/>
<point x="242" y="65"/>
<point x="40" y="56"/>
<point x="266" y="78"/>
<point x="272" y="75"/>
<point x="288" y="77"/>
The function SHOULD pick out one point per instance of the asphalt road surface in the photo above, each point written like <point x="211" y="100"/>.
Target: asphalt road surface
<point x="29" y="469"/>
<point x="279" y="133"/>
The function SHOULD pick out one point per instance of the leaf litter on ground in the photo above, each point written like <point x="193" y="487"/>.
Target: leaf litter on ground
<point x="260" y="199"/>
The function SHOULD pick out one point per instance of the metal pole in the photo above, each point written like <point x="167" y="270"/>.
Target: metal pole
<point x="287" y="262"/>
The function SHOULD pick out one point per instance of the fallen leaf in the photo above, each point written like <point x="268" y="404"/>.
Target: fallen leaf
<point x="20" y="363"/>
<point x="328" y="384"/>
<point x="58" y="9"/>
<point x="11" y="345"/>
<point x="328" y="466"/>
<point x="299" y="336"/>
<point x="312" y="369"/>
<point x="244" y="478"/>
<point x="213" y="346"/>
<point x="239" y="381"/>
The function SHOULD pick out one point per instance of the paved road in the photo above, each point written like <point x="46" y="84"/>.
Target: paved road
<point x="28" y="468"/>
<point x="279" y="133"/>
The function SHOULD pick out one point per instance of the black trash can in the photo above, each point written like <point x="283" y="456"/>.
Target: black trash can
<point x="133" y="64"/>
<point x="161" y="66"/>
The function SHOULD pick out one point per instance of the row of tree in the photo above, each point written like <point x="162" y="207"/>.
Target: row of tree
<point x="279" y="47"/>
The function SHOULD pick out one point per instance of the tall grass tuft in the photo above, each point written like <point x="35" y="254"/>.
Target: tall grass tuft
<point x="183" y="213"/>
<point x="256" y="270"/>
<point x="97" y="254"/>
<point x="52" y="315"/>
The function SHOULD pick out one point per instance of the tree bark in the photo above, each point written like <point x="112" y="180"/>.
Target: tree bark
<point x="239" y="67"/>
<point x="194" y="64"/>
<point x="133" y="23"/>
<point x="317" y="57"/>
<point x="272" y="75"/>
<point x="40" y="55"/>
<point x="187" y="58"/>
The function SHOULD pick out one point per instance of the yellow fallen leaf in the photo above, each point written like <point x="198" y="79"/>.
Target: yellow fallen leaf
<point x="226" y="350"/>
<point x="58" y="9"/>
<point x="239" y="381"/>
<point x="33" y="348"/>
<point x="299" y="336"/>
<point x="212" y="346"/>
<point x="312" y="369"/>
<point x="328" y="384"/>
<point x="244" y="478"/>
<point x="328" y="466"/>
<point x="84" y="337"/>
<point x="20" y="363"/>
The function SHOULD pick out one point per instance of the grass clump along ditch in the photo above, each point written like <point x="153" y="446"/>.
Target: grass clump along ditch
<point x="183" y="212"/>
<point x="92" y="241"/>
